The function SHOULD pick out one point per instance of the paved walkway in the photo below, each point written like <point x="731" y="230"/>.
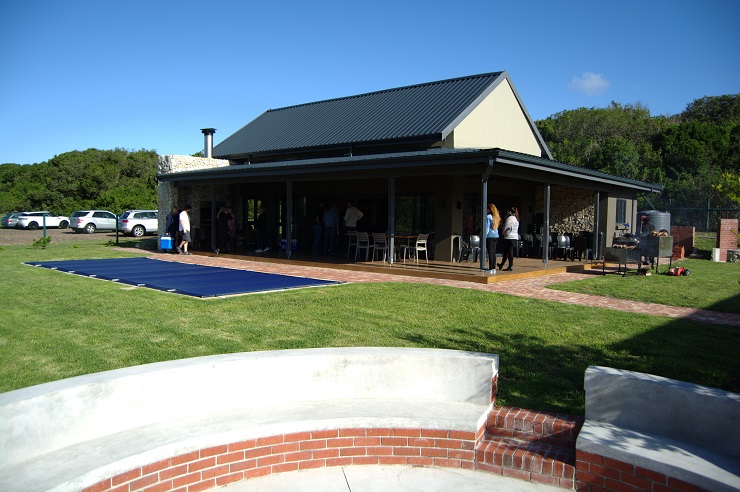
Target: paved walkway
<point x="362" y="478"/>
<point x="530" y="287"/>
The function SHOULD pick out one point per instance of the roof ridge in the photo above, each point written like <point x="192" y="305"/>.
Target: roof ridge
<point x="385" y="91"/>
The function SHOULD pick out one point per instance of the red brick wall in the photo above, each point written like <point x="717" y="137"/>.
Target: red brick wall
<point x="726" y="239"/>
<point x="595" y="473"/>
<point x="683" y="236"/>
<point x="221" y="465"/>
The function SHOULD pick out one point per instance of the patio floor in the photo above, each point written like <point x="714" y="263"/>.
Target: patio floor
<point x="467" y="271"/>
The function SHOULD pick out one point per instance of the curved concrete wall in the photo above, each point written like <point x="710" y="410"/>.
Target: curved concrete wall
<point x="375" y="387"/>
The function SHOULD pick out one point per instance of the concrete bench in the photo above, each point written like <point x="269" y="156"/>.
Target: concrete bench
<point x="655" y="433"/>
<point x="208" y="421"/>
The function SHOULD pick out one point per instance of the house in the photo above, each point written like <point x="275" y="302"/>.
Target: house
<point x="422" y="158"/>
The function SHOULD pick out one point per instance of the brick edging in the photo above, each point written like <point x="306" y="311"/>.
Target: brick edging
<point x="596" y="473"/>
<point x="220" y="465"/>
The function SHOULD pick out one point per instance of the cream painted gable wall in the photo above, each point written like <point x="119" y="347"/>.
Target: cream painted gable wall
<point x="497" y="122"/>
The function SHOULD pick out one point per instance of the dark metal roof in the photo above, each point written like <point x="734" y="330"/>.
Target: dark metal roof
<point x="399" y="163"/>
<point x="419" y="112"/>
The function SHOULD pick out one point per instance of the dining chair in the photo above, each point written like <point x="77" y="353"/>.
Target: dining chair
<point x="351" y="241"/>
<point x="380" y="243"/>
<point x="363" y="242"/>
<point x="563" y="244"/>
<point x="469" y="245"/>
<point x="418" y="247"/>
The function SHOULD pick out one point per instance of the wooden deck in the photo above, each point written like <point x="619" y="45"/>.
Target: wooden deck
<point x="467" y="271"/>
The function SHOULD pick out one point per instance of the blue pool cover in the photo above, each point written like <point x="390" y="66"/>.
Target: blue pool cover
<point x="181" y="278"/>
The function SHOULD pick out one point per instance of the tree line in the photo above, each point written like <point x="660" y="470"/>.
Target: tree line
<point x="114" y="180"/>
<point x="695" y="155"/>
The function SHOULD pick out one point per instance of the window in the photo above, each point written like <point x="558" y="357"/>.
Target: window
<point x="621" y="211"/>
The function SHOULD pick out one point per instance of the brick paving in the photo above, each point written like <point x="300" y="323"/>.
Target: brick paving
<point x="535" y="287"/>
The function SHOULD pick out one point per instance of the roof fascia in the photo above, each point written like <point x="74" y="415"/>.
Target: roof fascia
<point x="392" y="162"/>
<point x="580" y="173"/>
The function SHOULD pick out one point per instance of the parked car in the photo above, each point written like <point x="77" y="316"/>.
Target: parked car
<point x="10" y="219"/>
<point x="138" y="222"/>
<point x="34" y="220"/>
<point x="89" y="221"/>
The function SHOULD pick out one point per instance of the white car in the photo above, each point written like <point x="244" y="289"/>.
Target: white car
<point x="138" y="222"/>
<point x="35" y="220"/>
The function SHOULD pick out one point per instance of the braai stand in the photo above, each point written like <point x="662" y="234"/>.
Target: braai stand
<point x="621" y="256"/>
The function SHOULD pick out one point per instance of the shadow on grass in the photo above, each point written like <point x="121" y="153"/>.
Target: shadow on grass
<point x="534" y="372"/>
<point x="729" y="305"/>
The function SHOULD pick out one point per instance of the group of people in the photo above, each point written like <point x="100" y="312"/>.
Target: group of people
<point x="329" y="221"/>
<point x="510" y="235"/>
<point x="177" y="224"/>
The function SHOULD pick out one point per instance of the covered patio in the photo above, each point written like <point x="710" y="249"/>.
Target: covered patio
<point x="465" y="271"/>
<point x="423" y="159"/>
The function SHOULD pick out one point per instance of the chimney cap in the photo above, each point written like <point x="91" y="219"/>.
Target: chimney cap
<point x="208" y="131"/>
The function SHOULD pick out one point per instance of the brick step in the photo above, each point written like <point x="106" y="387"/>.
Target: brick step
<point x="528" y="445"/>
<point x="531" y="461"/>
<point x="532" y="426"/>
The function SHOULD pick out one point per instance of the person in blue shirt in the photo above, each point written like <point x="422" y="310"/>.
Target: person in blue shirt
<point x="331" y="227"/>
<point x="493" y="220"/>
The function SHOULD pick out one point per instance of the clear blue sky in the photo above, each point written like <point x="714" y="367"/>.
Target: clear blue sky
<point x="149" y="74"/>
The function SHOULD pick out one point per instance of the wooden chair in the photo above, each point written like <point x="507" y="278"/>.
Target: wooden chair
<point x="418" y="247"/>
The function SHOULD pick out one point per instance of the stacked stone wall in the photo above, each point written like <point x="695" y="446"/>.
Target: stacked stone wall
<point x="181" y="163"/>
<point x="571" y="209"/>
<point x="169" y="196"/>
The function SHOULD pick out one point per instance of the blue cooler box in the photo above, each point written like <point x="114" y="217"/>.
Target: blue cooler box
<point x="165" y="243"/>
<point x="293" y="244"/>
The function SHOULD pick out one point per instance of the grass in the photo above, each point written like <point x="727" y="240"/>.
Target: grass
<point x="57" y="325"/>
<point x="713" y="286"/>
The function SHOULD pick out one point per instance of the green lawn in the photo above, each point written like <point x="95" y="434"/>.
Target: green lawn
<point x="57" y="325"/>
<point x="711" y="285"/>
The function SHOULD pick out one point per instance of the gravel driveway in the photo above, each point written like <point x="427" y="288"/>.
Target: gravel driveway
<point x="23" y="236"/>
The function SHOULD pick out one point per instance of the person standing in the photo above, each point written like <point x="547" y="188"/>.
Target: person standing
<point x="172" y="225"/>
<point x="318" y="226"/>
<point x="511" y="237"/>
<point x="224" y="216"/>
<point x="184" y="230"/>
<point x="493" y="220"/>
<point x="260" y="225"/>
<point x="331" y="228"/>
<point x="647" y="228"/>
<point x="351" y="216"/>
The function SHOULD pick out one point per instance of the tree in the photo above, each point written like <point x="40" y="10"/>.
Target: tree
<point x="115" y="179"/>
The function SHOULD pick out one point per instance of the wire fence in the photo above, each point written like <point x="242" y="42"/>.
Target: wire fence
<point x="702" y="218"/>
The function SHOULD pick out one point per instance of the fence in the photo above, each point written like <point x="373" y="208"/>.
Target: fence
<point x="702" y="218"/>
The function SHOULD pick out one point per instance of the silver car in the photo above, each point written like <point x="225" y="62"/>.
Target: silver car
<point x="138" y="222"/>
<point x="89" y="221"/>
<point x="10" y="219"/>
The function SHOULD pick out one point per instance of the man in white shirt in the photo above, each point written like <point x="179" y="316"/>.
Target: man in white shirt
<point x="184" y="230"/>
<point x="351" y="216"/>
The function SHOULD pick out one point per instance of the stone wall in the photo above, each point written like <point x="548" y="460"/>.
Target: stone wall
<point x="181" y="163"/>
<point x="571" y="209"/>
<point x="169" y="196"/>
